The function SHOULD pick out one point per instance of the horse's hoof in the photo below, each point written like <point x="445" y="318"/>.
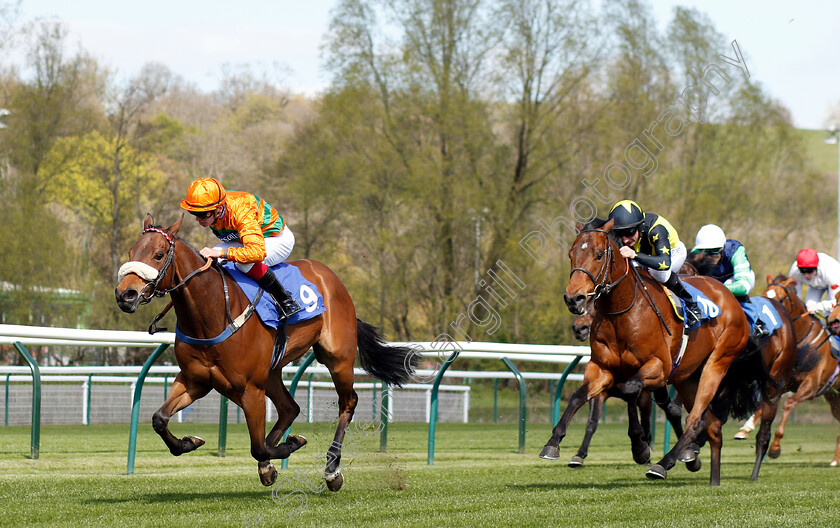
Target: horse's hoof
<point x="189" y="443"/>
<point x="774" y="453"/>
<point x="656" y="472"/>
<point x="689" y="454"/>
<point x="296" y="442"/>
<point x="833" y="463"/>
<point x="742" y="434"/>
<point x="334" y="481"/>
<point x="694" y="465"/>
<point x="550" y="452"/>
<point x="267" y="473"/>
<point x="576" y="462"/>
<point x="642" y="457"/>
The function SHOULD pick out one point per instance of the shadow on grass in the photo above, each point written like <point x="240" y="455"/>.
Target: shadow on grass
<point x="154" y="498"/>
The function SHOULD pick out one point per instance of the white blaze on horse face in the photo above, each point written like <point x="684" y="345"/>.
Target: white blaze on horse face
<point x="141" y="269"/>
<point x="584" y="245"/>
<point x="771" y="294"/>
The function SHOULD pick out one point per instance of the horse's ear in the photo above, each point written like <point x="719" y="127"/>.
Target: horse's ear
<point x="769" y="278"/>
<point x="174" y="228"/>
<point x="609" y="225"/>
<point x="148" y="221"/>
<point x="579" y="227"/>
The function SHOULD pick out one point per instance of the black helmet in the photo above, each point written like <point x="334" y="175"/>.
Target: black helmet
<point x="627" y="215"/>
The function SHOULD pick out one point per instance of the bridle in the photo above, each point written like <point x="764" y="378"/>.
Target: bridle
<point x="602" y="279"/>
<point x="604" y="286"/>
<point x="787" y="303"/>
<point x="146" y="297"/>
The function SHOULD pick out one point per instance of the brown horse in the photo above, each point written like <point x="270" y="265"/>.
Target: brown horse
<point x="580" y="327"/>
<point x="814" y="370"/>
<point x="777" y="355"/>
<point x="238" y="367"/>
<point x="635" y="345"/>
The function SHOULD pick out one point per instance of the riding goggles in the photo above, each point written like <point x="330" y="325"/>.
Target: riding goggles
<point x="806" y="271"/>
<point x="712" y="251"/>
<point x="202" y="214"/>
<point x="626" y="232"/>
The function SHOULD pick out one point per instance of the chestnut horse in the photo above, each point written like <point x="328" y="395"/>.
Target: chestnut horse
<point x="238" y="367"/>
<point x="814" y="370"/>
<point x="580" y="328"/>
<point x="635" y="345"/>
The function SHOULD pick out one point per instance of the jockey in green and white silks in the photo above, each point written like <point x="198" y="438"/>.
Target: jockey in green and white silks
<point x="651" y="241"/>
<point x="726" y="260"/>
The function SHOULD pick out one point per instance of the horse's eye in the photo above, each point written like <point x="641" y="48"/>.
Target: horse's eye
<point x="159" y="255"/>
<point x="599" y="255"/>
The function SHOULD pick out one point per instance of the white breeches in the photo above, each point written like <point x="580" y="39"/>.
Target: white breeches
<point x="277" y="249"/>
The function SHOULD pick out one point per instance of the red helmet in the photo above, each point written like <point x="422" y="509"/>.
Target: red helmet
<point x="807" y="258"/>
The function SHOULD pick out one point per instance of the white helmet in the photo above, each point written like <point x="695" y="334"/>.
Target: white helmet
<point x="709" y="236"/>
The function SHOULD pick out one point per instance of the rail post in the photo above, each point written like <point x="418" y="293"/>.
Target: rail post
<point x="223" y="413"/>
<point x="284" y="464"/>
<point x="135" y="406"/>
<point x="558" y="392"/>
<point x="523" y="408"/>
<point x="385" y="411"/>
<point x="35" y="437"/>
<point x="433" y="412"/>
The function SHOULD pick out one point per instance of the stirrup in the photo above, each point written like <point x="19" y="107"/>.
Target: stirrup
<point x="691" y="317"/>
<point x="288" y="308"/>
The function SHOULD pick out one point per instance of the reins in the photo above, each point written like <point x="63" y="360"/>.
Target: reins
<point x="604" y="286"/>
<point x="234" y="324"/>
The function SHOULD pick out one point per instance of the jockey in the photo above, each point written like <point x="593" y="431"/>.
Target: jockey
<point x="726" y="260"/>
<point x="821" y="273"/>
<point x="252" y="235"/>
<point x="652" y="241"/>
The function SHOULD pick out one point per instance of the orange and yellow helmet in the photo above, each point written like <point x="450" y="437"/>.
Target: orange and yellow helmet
<point x="204" y="194"/>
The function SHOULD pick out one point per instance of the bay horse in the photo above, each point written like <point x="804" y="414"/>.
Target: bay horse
<point x="580" y="327"/>
<point x="238" y="367"/>
<point x="774" y="357"/>
<point x="635" y="346"/>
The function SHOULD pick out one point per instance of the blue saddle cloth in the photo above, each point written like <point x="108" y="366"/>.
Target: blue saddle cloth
<point x="761" y="308"/>
<point x="304" y="292"/>
<point x="708" y="309"/>
<point x="834" y="341"/>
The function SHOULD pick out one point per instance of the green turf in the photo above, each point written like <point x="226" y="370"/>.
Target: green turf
<point x="479" y="479"/>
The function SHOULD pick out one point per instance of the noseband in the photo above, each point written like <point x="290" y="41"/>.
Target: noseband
<point x="147" y="296"/>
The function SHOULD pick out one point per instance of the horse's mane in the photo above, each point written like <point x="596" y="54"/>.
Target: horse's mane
<point x="595" y="223"/>
<point x="175" y="237"/>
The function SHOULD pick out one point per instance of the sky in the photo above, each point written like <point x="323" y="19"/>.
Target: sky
<point x="791" y="48"/>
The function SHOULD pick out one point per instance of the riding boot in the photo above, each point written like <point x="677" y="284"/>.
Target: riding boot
<point x="692" y="311"/>
<point x="287" y="305"/>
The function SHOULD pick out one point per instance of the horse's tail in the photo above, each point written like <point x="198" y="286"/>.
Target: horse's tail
<point x="392" y="364"/>
<point x="739" y="394"/>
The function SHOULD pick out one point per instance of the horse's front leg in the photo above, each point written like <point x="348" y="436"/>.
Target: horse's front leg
<point x="253" y="405"/>
<point x="640" y="447"/>
<point x="595" y="381"/>
<point x="596" y="409"/>
<point x="287" y="411"/>
<point x="182" y="393"/>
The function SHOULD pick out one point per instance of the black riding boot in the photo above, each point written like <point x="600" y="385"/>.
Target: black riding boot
<point x="692" y="311"/>
<point x="287" y="305"/>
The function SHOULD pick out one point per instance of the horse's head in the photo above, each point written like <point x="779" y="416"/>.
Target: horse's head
<point x="149" y="261"/>
<point x="781" y="288"/>
<point x="582" y="323"/>
<point x="833" y="320"/>
<point x="592" y="257"/>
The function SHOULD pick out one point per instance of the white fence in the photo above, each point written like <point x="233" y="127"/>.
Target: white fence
<point x="97" y="395"/>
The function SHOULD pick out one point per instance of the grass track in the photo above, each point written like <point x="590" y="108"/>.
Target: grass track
<point x="478" y="480"/>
